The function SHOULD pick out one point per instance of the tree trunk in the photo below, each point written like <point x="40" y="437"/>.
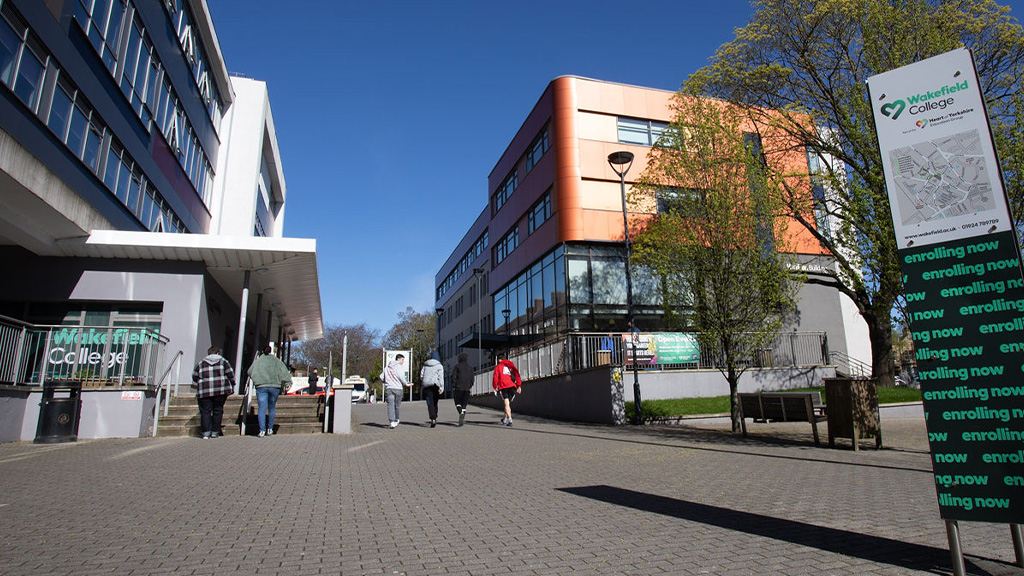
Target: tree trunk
<point x="883" y="368"/>
<point x="734" y="401"/>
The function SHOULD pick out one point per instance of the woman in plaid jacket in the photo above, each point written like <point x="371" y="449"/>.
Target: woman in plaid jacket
<point x="214" y="380"/>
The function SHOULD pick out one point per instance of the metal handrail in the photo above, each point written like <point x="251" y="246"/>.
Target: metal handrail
<point x="243" y="408"/>
<point x="857" y="368"/>
<point x="162" y="389"/>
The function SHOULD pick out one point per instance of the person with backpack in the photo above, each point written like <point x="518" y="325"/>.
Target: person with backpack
<point x="507" y="384"/>
<point x="432" y="385"/>
<point x="462" y="385"/>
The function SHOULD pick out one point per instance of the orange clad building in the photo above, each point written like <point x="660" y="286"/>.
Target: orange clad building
<point x="545" y="256"/>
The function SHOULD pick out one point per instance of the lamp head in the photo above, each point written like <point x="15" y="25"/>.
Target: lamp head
<point x="620" y="162"/>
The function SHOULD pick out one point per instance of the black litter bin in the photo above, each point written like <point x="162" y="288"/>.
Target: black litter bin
<point x="59" y="412"/>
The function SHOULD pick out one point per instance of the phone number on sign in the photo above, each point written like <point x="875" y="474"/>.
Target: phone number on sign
<point x="976" y="224"/>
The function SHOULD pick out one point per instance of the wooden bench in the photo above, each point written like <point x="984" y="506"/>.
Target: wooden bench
<point x="782" y="407"/>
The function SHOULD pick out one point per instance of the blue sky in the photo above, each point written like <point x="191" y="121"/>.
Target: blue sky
<point x="391" y="114"/>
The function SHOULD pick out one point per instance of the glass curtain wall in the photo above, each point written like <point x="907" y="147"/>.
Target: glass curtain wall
<point x="578" y="287"/>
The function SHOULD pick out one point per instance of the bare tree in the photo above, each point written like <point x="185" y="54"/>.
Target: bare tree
<point x="363" y="350"/>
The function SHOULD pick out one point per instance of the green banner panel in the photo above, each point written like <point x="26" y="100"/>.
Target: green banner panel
<point x="966" y="304"/>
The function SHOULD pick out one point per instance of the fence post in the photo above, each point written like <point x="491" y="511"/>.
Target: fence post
<point x="19" y="348"/>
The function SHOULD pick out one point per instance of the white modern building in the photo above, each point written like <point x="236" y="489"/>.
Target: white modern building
<point x="141" y="210"/>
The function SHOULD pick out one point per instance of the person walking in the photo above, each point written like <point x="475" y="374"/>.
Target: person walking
<point x="314" y="379"/>
<point x="214" y="380"/>
<point x="507" y="384"/>
<point x="432" y="385"/>
<point x="394" y="381"/>
<point x="462" y="385"/>
<point x="270" y="377"/>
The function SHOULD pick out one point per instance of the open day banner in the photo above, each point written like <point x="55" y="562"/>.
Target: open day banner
<point x="963" y="282"/>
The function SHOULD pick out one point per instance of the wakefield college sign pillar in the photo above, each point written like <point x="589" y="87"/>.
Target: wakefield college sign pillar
<point x="963" y="285"/>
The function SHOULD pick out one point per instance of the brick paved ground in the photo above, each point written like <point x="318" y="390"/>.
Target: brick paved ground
<point x="541" y="498"/>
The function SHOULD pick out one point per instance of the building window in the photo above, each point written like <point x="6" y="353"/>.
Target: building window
<point x="535" y="299"/>
<point x="540" y="212"/>
<point x="140" y="79"/>
<point x="505" y="190"/>
<point x="101" y="22"/>
<point x="642" y="132"/>
<point x="680" y="201"/>
<point x="123" y="177"/>
<point x="22" y="58"/>
<point x="816" y="168"/>
<point x="537" y="149"/>
<point x="506" y="245"/>
<point x="74" y="121"/>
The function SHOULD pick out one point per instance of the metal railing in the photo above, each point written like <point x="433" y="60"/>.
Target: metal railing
<point x="653" y="351"/>
<point x="163" y="390"/>
<point x="850" y="366"/>
<point x="95" y="355"/>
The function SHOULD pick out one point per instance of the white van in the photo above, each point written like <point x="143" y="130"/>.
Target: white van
<point x="359" y="388"/>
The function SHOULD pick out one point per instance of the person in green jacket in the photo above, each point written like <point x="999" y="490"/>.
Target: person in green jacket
<point x="270" y="377"/>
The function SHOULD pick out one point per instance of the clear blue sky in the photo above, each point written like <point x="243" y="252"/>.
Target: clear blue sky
<point x="391" y="114"/>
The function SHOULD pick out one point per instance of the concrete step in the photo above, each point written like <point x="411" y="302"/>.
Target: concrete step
<point x="293" y="415"/>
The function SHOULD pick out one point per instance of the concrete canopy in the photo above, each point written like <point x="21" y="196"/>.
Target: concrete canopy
<point x="284" y="269"/>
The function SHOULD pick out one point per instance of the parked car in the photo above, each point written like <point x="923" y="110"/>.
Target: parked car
<point x="359" y="388"/>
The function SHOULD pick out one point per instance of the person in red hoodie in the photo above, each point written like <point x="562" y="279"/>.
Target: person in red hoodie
<point x="507" y="384"/>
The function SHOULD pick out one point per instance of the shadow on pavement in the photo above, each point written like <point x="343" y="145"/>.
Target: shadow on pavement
<point x="873" y="548"/>
<point x="721" y="442"/>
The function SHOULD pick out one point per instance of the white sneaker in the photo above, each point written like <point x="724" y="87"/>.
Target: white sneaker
<point x="393" y="425"/>
<point x="270" y="432"/>
<point x="261" y="434"/>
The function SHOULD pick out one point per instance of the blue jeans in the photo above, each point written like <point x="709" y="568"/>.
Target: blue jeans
<point x="267" y="400"/>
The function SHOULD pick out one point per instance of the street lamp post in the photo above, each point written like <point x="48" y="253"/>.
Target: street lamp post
<point x="621" y="163"/>
<point x="438" y="312"/>
<point x="478" y="273"/>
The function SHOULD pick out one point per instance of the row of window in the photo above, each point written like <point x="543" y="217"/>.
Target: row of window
<point x="464" y="265"/>
<point x="114" y="29"/>
<point x="183" y="20"/>
<point x="28" y="70"/>
<point x="456" y="308"/>
<point x="533" y="154"/>
<point x="448" y="346"/>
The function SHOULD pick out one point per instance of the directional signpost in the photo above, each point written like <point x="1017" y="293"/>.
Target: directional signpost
<point x="964" y="286"/>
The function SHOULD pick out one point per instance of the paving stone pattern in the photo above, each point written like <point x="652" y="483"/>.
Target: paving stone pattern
<point x="540" y="498"/>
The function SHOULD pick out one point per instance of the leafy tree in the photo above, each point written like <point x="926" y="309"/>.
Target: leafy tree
<point x="363" y="350"/>
<point x="718" y="243"/>
<point x="800" y="67"/>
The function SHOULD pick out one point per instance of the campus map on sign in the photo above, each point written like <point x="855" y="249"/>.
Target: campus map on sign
<point x="941" y="178"/>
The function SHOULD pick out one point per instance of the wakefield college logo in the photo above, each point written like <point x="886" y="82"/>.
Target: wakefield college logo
<point x="894" y="109"/>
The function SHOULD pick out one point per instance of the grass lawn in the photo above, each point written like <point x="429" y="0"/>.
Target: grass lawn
<point x="720" y="404"/>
